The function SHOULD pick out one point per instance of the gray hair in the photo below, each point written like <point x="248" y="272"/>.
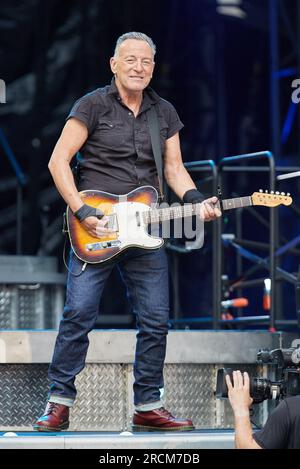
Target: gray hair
<point x="138" y="37"/>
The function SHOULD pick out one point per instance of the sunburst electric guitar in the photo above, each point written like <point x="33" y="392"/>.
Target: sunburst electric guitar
<point x="129" y="216"/>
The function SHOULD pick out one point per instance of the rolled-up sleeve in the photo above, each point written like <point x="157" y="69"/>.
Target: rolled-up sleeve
<point x="86" y="111"/>
<point x="175" y="124"/>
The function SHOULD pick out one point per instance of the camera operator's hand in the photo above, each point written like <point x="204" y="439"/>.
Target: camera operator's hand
<point x="240" y="400"/>
<point x="239" y="393"/>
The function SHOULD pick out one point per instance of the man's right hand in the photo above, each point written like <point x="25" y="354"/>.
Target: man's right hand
<point x="93" y="220"/>
<point x="97" y="228"/>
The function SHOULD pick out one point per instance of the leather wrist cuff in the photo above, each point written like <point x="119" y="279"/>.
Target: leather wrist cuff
<point x="193" y="196"/>
<point x="87" y="211"/>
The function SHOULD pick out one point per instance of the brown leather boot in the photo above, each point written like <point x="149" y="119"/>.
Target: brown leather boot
<point x="159" y="420"/>
<point x="55" y="418"/>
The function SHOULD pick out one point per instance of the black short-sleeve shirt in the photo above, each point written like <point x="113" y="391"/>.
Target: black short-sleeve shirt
<point x="282" y="430"/>
<point x="117" y="156"/>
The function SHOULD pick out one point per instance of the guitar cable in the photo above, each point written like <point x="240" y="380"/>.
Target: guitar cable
<point x="65" y="261"/>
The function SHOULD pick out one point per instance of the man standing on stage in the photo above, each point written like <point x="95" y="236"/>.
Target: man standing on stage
<point x="109" y="127"/>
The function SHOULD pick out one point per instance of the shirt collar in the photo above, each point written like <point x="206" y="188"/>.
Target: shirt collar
<point x="112" y="89"/>
<point x="149" y="95"/>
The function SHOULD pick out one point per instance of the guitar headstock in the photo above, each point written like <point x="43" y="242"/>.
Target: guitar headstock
<point x="272" y="199"/>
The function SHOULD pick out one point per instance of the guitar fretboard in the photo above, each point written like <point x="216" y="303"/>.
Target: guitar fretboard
<point x="188" y="210"/>
<point x="237" y="202"/>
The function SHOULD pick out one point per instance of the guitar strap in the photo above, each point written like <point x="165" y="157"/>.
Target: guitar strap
<point x="156" y="145"/>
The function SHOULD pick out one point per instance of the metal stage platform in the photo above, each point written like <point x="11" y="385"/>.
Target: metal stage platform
<point x="104" y="407"/>
<point x="200" y="439"/>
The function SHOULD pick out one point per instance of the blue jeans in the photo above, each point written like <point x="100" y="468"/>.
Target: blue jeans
<point x="145" y="274"/>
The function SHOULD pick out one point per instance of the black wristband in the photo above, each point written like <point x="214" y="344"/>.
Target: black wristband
<point x="87" y="211"/>
<point x="193" y="196"/>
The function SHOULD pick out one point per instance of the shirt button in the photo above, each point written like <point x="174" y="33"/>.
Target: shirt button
<point x="129" y="113"/>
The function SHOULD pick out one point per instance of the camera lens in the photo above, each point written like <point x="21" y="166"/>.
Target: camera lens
<point x="260" y="389"/>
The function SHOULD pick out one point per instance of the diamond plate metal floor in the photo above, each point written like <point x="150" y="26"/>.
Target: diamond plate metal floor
<point x="105" y="387"/>
<point x="198" y="439"/>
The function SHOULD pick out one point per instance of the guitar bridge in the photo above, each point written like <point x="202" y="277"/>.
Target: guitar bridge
<point x="112" y="223"/>
<point x="103" y="245"/>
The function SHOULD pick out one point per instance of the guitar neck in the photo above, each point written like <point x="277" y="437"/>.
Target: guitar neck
<point x="188" y="210"/>
<point x="237" y="202"/>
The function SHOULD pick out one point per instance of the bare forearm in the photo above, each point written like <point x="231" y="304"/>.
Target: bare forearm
<point x="243" y="432"/>
<point x="63" y="178"/>
<point x="179" y="180"/>
<point x="73" y="136"/>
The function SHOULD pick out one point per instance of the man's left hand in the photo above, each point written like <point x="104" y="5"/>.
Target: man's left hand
<point x="209" y="210"/>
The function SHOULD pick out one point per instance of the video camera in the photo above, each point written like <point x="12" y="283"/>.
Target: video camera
<point x="287" y="383"/>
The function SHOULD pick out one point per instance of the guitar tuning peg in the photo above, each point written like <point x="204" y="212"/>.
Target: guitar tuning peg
<point x="260" y="190"/>
<point x="271" y="192"/>
<point x="277" y="193"/>
<point x="288" y="194"/>
<point x="266" y="192"/>
<point x="282" y="193"/>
